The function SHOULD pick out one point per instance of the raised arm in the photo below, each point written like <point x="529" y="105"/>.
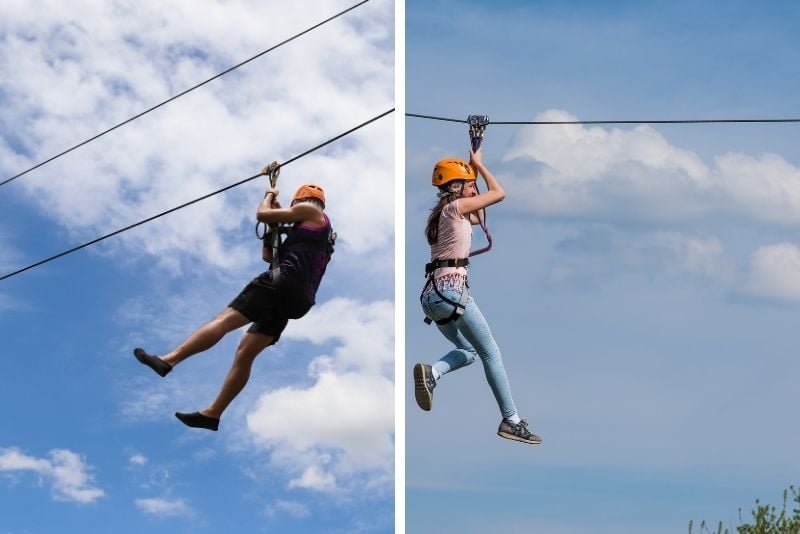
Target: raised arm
<point x="493" y="195"/>
<point x="271" y="212"/>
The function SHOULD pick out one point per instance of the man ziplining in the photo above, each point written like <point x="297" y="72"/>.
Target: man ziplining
<point x="285" y="291"/>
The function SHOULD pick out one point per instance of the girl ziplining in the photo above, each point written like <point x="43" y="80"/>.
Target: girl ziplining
<point x="445" y="297"/>
<point x="286" y="291"/>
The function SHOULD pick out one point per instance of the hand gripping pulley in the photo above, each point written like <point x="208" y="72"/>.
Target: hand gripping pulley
<point x="272" y="171"/>
<point x="477" y="125"/>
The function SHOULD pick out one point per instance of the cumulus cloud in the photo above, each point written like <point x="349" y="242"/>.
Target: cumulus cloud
<point x="69" y="476"/>
<point x="162" y="507"/>
<point x="341" y="426"/>
<point x="363" y="329"/>
<point x="602" y="172"/>
<point x="682" y="253"/>
<point x="70" y="76"/>
<point x="767" y="187"/>
<point x="775" y="272"/>
<point x="591" y="251"/>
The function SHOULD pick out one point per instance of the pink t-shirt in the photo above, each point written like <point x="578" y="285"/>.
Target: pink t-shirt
<point x="455" y="238"/>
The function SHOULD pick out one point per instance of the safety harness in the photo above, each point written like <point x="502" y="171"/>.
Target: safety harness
<point x="273" y="237"/>
<point x="458" y="306"/>
<point x="477" y="126"/>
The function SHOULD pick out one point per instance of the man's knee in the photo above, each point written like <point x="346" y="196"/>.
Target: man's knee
<point x="252" y="344"/>
<point x="229" y="320"/>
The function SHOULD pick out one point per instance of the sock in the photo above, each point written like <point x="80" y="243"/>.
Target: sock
<point x="513" y="418"/>
<point x="198" y="420"/>
<point x="436" y="374"/>
<point x="153" y="362"/>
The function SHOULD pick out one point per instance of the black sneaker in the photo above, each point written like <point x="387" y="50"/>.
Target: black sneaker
<point x="155" y="363"/>
<point x="423" y="386"/>
<point x="518" y="432"/>
<point x="198" y="420"/>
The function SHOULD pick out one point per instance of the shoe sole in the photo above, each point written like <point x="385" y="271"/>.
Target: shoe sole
<point x="514" y="437"/>
<point x="421" y="393"/>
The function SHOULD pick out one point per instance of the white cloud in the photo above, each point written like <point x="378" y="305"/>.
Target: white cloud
<point x="71" y="73"/>
<point x="365" y="331"/>
<point x="314" y="477"/>
<point x="775" y="272"/>
<point x="637" y="174"/>
<point x="138" y="459"/>
<point x="164" y="507"/>
<point x="611" y="252"/>
<point x="341" y="426"/>
<point x="584" y="154"/>
<point x="766" y="187"/>
<point x="14" y="460"/>
<point x="292" y="508"/>
<point x="684" y="254"/>
<point x="70" y="477"/>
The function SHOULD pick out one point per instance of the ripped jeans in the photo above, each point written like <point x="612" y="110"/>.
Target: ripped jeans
<point x="472" y="337"/>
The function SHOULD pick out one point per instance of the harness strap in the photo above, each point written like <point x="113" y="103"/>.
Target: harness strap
<point x="458" y="307"/>
<point x="485" y="228"/>
<point x="438" y="264"/>
<point x="272" y="239"/>
<point x="477" y="127"/>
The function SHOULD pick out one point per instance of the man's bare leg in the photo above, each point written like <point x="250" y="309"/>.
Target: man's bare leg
<point x="202" y="339"/>
<point x="251" y="346"/>
<point x="207" y="335"/>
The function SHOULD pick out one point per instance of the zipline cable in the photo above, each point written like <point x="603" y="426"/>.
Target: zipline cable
<point x="226" y="71"/>
<point x="675" y="121"/>
<point x="134" y="225"/>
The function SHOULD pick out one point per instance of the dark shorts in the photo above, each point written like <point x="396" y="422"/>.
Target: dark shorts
<point x="261" y="305"/>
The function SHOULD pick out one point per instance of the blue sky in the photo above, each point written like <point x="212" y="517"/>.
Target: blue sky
<point x="645" y="281"/>
<point x="89" y="440"/>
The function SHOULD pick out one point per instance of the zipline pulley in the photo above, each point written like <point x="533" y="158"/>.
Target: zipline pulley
<point x="272" y="171"/>
<point x="477" y="125"/>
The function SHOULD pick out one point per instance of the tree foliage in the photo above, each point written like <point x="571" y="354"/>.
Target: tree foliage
<point x="766" y="518"/>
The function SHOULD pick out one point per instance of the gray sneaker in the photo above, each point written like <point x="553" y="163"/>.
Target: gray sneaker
<point x="423" y="386"/>
<point x="518" y="432"/>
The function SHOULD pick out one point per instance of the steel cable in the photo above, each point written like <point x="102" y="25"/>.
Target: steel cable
<point x="672" y="121"/>
<point x="170" y="99"/>
<point x="176" y="208"/>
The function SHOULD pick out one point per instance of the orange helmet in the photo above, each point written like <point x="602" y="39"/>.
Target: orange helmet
<point x="450" y="169"/>
<point x="309" y="191"/>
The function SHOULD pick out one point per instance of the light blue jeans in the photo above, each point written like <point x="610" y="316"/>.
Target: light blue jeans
<point x="472" y="337"/>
